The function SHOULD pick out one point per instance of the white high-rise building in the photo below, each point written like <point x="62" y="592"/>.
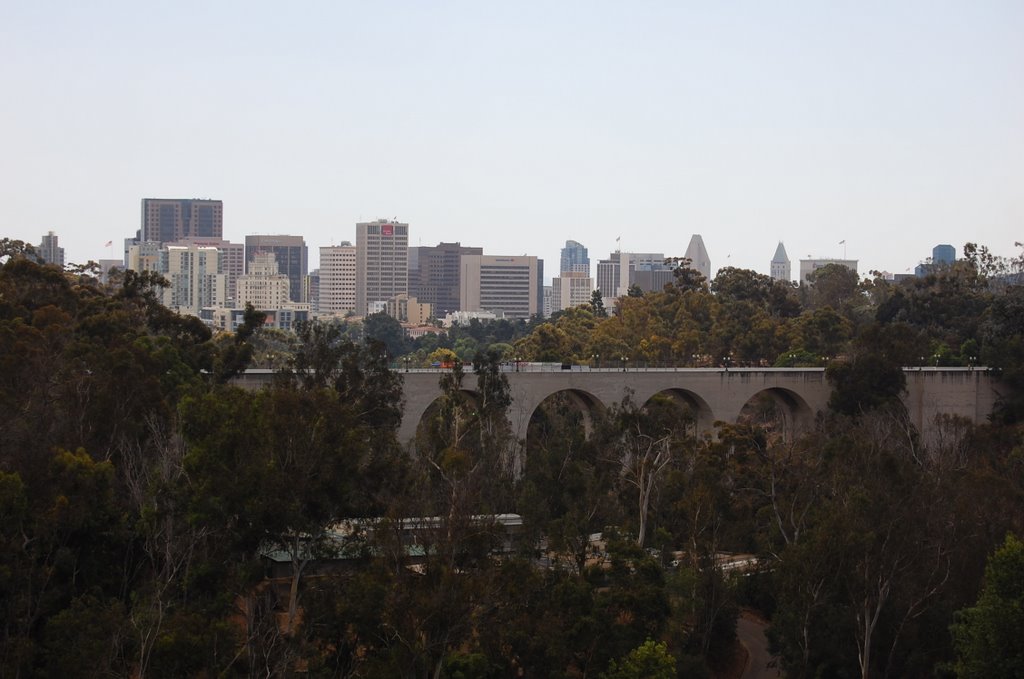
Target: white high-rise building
<point x="192" y="271"/>
<point x="698" y="256"/>
<point x="382" y="263"/>
<point x="231" y="260"/>
<point x="780" y="264"/>
<point x="144" y="256"/>
<point x="501" y="284"/>
<point x="264" y="287"/>
<point x="571" y="289"/>
<point x="337" y="279"/>
<point x="292" y="259"/>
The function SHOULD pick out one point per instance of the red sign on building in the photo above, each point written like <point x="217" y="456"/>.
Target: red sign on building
<point x="387" y="229"/>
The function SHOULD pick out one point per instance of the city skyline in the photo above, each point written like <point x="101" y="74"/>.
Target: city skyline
<point x="518" y="129"/>
<point x="696" y="241"/>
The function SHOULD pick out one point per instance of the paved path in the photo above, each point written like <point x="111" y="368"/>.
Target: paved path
<point x="750" y="630"/>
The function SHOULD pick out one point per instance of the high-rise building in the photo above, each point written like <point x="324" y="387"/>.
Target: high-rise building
<point x="571" y="289"/>
<point x="539" y="293"/>
<point x="337" y="279"/>
<point x="49" y="251"/>
<point x="166" y="220"/>
<point x="698" y="256"/>
<point x="653" y="279"/>
<point x="809" y="266"/>
<point x="434" y="275"/>
<point x="382" y="263"/>
<point x="943" y="254"/>
<point x="646" y="270"/>
<point x="192" y="272"/>
<point x="311" y="290"/>
<point x="263" y="286"/>
<point x="501" y="284"/>
<point x="292" y="259"/>
<point x="574" y="258"/>
<point x="780" y="267"/>
<point x="144" y="256"/>
<point x="231" y="260"/>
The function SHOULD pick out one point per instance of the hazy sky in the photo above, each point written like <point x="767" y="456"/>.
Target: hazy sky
<point x="517" y="125"/>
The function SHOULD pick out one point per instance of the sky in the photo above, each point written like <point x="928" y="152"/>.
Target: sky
<point x="892" y="126"/>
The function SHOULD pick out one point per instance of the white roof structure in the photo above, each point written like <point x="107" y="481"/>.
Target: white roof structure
<point x="698" y="256"/>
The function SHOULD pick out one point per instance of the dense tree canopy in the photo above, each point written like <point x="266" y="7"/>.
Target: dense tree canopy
<point x="159" y="521"/>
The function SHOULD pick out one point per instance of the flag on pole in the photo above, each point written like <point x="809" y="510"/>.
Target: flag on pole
<point x="108" y="243"/>
<point x="842" y="242"/>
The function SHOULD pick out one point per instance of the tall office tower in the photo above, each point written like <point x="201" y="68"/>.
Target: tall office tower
<point x="547" y="308"/>
<point x="574" y="258"/>
<point x="337" y="279"/>
<point x="571" y="289"/>
<point x="608" y="276"/>
<point x="434" y="275"/>
<point x="539" y="298"/>
<point x="382" y="262"/>
<point x="292" y="259"/>
<point x="698" y="256"/>
<point x="941" y="254"/>
<point x="263" y="286"/>
<point x="780" y="264"/>
<point x="809" y="266"/>
<point x="511" y="285"/>
<point x="49" y="251"/>
<point x="311" y="290"/>
<point x="231" y="260"/>
<point x="165" y="220"/>
<point x="621" y="270"/>
<point x="192" y="272"/>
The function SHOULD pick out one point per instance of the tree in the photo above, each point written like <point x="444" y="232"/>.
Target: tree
<point x="872" y="376"/>
<point x="648" y="440"/>
<point x="650" y="660"/>
<point x="237" y="354"/>
<point x="388" y="331"/>
<point x="597" y="304"/>
<point x="566" y="493"/>
<point x="745" y="285"/>
<point x="1002" y="335"/>
<point x="987" y="636"/>
<point x="832" y="285"/>
<point x="686" y="277"/>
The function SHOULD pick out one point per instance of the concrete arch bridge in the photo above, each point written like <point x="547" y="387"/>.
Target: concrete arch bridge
<point x="712" y="394"/>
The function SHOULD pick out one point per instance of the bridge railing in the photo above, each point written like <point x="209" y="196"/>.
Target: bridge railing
<point x="556" y="368"/>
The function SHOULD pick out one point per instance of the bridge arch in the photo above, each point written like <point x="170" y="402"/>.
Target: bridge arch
<point x="779" y="407"/>
<point x="583" y="403"/>
<point x="427" y="414"/>
<point x="691" y="401"/>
